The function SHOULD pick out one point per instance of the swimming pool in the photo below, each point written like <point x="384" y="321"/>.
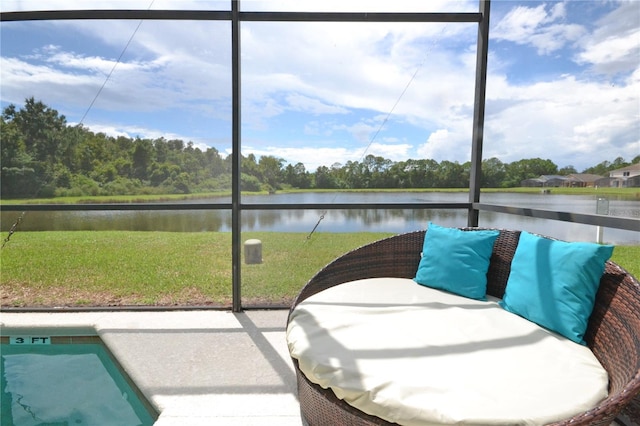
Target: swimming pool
<point x="66" y="380"/>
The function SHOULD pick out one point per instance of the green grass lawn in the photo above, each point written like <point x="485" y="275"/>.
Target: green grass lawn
<point x="629" y="258"/>
<point x="103" y="268"/>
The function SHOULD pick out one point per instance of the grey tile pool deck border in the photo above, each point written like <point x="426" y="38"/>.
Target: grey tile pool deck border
<point x="196" y="368"/>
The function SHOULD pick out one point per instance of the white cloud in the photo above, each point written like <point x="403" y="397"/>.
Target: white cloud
<point x="363" y="66"/>
<point x="361" y="131"/>
<point x="341" y="80"/>
<point x="49" y="83"/>
<point x="567" y="120"/>
<point x="311" y="156"/>
<point x="282" y="68"/>
<point x="614" y="46"/>
<point x="613" y="49"/>
<point x="134" y="132"/>
<point x="359" y="6"/>
<point x="56" y="57"/>
<point x="520" y="23"/>
<point x="538" y="27"/>
<point x="303" y="103"/>
<point x="393" y="152"/>
<point x="21" y="5"/>
<point x="446" y="144"/>
<point x="316" y="156"/>
<point x="575" y="118"/>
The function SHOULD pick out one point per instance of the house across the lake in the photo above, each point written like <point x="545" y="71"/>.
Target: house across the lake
<point x="620" y="178"/>
<point x="625" y="177"/>
<point x="555" y="181"/>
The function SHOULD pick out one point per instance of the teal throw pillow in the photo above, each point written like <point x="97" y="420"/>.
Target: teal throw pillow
<point x="554" y="283"/>
<point x="456" y="261"/>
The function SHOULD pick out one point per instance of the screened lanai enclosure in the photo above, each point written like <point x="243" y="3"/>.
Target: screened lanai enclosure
<point x="305" y="128"/>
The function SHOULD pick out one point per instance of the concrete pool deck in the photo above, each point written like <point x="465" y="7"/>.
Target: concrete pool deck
<point x="195" y="367"/>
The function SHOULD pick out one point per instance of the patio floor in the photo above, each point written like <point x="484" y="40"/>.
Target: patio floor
<point x="196" y="367"/>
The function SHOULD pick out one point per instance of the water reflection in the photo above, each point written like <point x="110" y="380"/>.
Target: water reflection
<point x="352" y="220"/>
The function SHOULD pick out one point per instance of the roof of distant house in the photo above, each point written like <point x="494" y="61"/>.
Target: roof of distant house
<point x="633" y="167"/>
<point x="550" y="177"/>
<point x="584" y="177"/>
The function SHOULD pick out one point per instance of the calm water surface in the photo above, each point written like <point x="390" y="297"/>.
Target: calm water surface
<point x="352" y="220"/>
<point x="66" y="384"/>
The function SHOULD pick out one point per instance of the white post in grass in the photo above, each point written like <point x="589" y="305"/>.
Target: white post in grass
<point x="602" y="207"/>
<point x="253" y="252"/>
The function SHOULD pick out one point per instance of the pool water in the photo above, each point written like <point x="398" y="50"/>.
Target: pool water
<point x="67" y="384"/>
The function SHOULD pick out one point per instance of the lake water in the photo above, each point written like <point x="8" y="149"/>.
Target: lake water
<point x="352" y="220"/>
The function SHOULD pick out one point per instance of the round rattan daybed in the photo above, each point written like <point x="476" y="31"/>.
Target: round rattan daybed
<point x="613" y="333"/>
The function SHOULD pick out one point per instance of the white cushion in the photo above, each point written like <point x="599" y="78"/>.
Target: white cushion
<point x="415" y="355"/>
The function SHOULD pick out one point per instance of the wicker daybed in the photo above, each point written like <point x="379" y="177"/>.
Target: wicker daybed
<point x="613" y="332"/>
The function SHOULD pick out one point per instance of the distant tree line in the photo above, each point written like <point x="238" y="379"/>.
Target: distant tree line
<point x="42" y="156"/>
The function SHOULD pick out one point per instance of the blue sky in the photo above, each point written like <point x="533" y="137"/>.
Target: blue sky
<point x="563" y="83"/>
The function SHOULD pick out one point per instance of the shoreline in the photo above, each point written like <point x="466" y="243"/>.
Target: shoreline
<point x="632" y="194"/>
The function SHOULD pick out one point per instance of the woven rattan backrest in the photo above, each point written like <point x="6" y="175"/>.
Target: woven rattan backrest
<point x="500" y="266"/>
